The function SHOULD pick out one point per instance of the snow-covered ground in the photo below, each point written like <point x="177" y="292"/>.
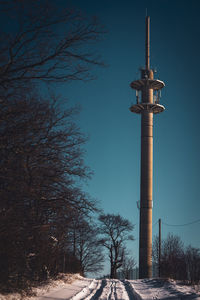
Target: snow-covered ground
<point x="162" y="289"/>
<point x="67" y="284"/>
<point x="79" y="288"/>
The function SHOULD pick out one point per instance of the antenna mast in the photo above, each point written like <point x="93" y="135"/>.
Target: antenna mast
<point x="147" y="44"/>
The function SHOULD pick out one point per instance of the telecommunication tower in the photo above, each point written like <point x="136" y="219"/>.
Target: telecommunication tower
<point x="148" y="93"/>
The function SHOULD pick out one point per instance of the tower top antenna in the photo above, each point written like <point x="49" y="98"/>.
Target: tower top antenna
<point x="147" y="44"/>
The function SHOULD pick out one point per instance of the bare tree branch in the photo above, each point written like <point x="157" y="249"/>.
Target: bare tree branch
<point x="50" y="43"/>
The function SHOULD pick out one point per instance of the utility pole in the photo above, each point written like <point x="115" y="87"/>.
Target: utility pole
<point x="159" y="248"/>
<point x="147" y="104"/>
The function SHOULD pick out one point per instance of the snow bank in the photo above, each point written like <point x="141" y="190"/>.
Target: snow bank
<point x="61" y="281"/>
<point x="163" y="289"/>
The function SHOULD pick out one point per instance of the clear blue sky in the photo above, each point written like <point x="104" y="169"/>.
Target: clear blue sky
<point x="113" y="150"/>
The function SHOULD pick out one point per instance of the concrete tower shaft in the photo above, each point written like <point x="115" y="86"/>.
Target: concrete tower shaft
<point x="148" y="97"/>
<point x="146" y="195"/>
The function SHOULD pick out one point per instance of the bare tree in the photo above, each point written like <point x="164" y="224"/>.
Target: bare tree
<point x="127" y="267"/>
<point x="85" y="245"/>
<point x="173" y="263"/>
<point x="116" y="231"/>
<point x="193" y="264"/>
<point x="155" y="253"/>
<point x="41" y="157"/>
<point x="40" y="145"/>
<point x="45" y="41"/>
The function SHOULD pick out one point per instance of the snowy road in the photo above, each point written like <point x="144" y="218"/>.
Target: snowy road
<point x="106" y="289"/>
<point x="92" y="289"/>
<point x="110" y="289"/>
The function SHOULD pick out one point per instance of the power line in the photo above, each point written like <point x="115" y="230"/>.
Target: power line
<point x="177" y="225"/>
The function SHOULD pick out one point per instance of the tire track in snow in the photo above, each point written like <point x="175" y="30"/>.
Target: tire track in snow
<point x="115" y="290"/>
<point x="92" y="292"/>
<point x="133" y="295"/>
<point x="121" y="292"/>
<point x="106" y="292"/>
<point x="111" y="290"/>
<point x="88" y="290"/>
<point x="98" y="291"/>
<point x="107" y="289"/>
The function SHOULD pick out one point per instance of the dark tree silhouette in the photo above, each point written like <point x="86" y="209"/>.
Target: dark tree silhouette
<point x="85" y="245"/>
<point x="127" y="267"/>
<point x="41" y="157"/>
<point x="45" y="41"/>
<point x="116" y="231"/>
<point x="155" y="252"/>
<point x="173" y="263"/>
<point x="192" y="255"/>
